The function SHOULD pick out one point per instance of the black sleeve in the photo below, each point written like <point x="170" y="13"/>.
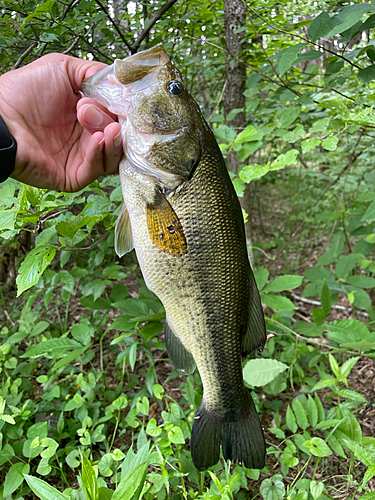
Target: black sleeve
<point x="8" y="148"/>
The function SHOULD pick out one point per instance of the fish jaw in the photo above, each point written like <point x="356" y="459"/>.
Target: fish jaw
<point x="99" y="86"/>
<point x="115" y="85"/>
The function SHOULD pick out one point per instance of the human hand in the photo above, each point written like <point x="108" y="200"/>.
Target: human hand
<point x="63" y="142"/>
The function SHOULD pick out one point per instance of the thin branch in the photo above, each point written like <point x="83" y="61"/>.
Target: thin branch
<point x="304" y="39"/>
<point x="150" y="24"/>
<point x="71" y="5"/>
<point x="115" y="25"/>
<point x="334" y="306"/>
<point x="242" y="62"/>
<point x="263" y="49"/>
<point x="71" y="46"/>
<point x="219" y="101"/>
<point x="24" y="55"/>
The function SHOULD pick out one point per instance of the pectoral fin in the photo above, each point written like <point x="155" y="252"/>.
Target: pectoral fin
<point x="123" y="233"/>
<point x="255" y="335"/>
<point x="164" y="226"/>
<point x="181" y="358"/>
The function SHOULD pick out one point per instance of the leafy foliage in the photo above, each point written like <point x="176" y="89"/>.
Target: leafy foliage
<point x="90" y="407"/>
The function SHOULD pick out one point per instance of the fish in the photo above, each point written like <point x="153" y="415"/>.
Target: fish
<point x="183" y="218"/>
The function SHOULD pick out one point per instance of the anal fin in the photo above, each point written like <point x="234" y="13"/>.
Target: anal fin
<point x="123" y="233"/>
<point x="181" y="358"/>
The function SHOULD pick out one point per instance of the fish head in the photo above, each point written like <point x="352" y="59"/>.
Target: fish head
<point x="162" y="125"/>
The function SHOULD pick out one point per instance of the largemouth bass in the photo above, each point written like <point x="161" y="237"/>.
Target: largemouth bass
<point x="182" y="216"/>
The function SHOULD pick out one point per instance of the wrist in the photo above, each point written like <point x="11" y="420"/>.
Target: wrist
<point x="8" y="149"/>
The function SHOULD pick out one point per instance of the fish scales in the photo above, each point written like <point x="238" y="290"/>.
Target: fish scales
<point x="203" y="289"/>
<point x="183" y="218"/>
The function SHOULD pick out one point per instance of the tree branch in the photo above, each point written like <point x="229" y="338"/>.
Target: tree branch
<point x="24" y="55"/>
<point x="115" y="25"/>
<point x="151" y="23"/>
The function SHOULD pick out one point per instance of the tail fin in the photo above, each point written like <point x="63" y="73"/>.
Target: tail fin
<point x="240" y="435"/>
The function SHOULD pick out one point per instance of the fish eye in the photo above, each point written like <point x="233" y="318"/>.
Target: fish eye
<point x="175" y="87"/>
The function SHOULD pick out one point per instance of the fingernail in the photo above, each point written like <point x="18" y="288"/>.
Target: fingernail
<point x="117" y="141"/>
<point x="93" y="116"/>
<point x="101" y="143"/>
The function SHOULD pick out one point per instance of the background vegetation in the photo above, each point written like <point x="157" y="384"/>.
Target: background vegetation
<point x="90" y="406"/>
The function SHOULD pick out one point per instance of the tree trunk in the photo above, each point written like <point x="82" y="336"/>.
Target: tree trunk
<point x="234" y="18"/>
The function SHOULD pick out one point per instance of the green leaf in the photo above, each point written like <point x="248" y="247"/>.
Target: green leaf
<point x="326" y="424"/>
<point x="320" y="125"/>
<point x="367" y="74"/>
<point x="369" y="474"/>
<point x="216" y="481"/>
<point x="43" y="490"/>
<point x="152" y="429"/>
<point x="325" y="298"/>
<point x="8" y="218"/>
<point x="326" y="382"/>
<point x="349" y="330"/>
<point x="233" y="113"/>
<point x="282" y="283"/>
<point x="320" y="26"/>
<point x="368" y="496"/>
<point x="45" y="6"/>
<point x="175" y="435"/>
<point x="309" y="144"/>
<point x="348" y="18"/>
<point x="300" y="414"/>
<point x="82" y="333"/>
<point x="362" y="281"/>
<point x="14" y="478"/>
<point x="370" y="213"/>
<point x="345" y="265"/>
<point x="261" y="277"/>
<point x="353" y="395"/>
<point x="51" y="446"/>
<point x="312" y="411"/>
<point x="318" y="447"/>
<point x="350" y="426"/>
<point x="346" y="367"/>
<point x="287" y="457"/>
<point x="258" y="372"/>
<point x="319" y="315"/>
<point x="334" y="250"/>
<point x="289" y="57"/>
<point x="285" y="160"/>
<point x="334" y="365"/>
<point x="90" y="483"/>
<point x="56" y="347"/>
<point x="250" y="133"/>
<point x="336" y="105"/>
<point x="276" y="301"/>
<point x="73" y="224"/>
<point x="33" y="266"/>
<point x="334" y="443"/>
<point x="252" y="172"/>
<point x="316" y="489"/>
<point x="105" y="493"/>
<point x="330" y="143"/>
<point x="270" y="491"/>
<point x="131" y="485"/>
<point x="291" y="420"/>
